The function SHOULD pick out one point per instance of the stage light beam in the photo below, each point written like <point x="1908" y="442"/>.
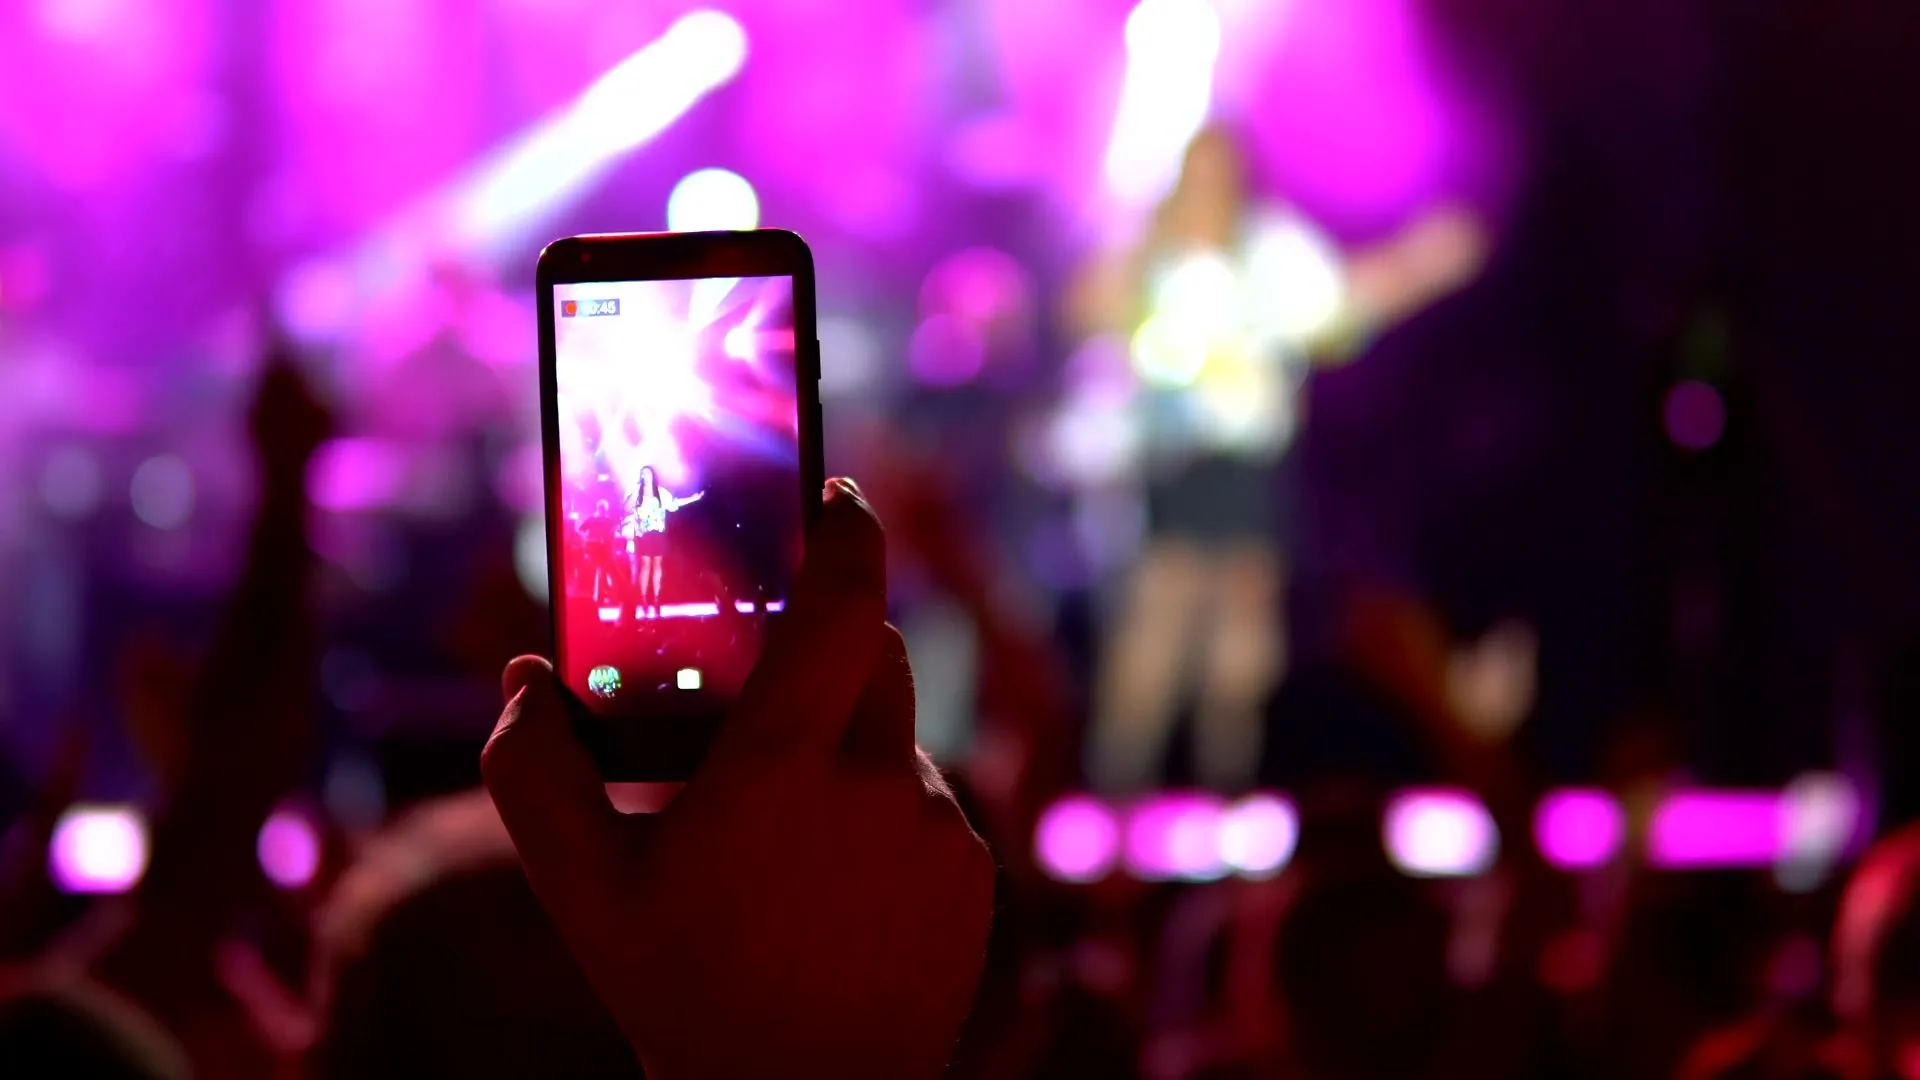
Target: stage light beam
<point x="1165" y="96"/>
<point x="499" y="203"/>
<point x="638" y="99"/>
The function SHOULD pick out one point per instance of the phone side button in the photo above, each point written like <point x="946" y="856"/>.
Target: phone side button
<point x="815" y="361"/>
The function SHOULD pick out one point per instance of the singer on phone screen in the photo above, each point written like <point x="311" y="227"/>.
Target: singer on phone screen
<point x="645" y="529"/>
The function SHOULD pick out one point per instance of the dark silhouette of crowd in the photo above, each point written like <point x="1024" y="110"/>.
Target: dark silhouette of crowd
<point x="815" y="902"/>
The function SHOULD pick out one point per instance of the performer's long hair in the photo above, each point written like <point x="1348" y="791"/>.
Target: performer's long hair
<point x="646" y="485"/>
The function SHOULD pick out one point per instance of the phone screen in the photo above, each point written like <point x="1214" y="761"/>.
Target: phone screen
<point x="679" y="513"/>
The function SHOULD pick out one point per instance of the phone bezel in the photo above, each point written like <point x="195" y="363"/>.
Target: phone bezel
<point x="663" y="748"/>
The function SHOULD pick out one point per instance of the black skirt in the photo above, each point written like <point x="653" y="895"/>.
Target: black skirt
<point x="1218" y="500"/>
<point x="650" y="543"/>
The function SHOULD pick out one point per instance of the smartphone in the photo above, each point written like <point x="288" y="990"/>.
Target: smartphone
<point x="680" y="415"/>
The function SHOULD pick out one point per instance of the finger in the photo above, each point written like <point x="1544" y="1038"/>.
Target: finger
<point x="881" y="731"/>
<point x="548" y="792"/>
<point x="819" y="654"/>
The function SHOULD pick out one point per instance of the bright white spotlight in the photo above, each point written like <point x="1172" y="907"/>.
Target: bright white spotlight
<point x="1164" y="96"/>
<point x="1258" y="834"/>
<point x="741" y="342"/>
<point x="712" y="199"/>
<point x="1821" y="815"/>
<point x="98" y="849"/>
<point x="1440" y="833"/>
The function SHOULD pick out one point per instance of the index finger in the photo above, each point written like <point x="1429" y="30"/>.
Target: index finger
<point x="818" y="656"/>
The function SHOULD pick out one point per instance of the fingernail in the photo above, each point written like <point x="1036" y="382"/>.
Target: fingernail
<point x="521" y="673"/>
<point x="841" y="487"/>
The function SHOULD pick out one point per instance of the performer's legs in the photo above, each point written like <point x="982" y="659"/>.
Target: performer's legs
<point x="1243" y="658"/>
<point x="629" y="597"/>
<point x="1144" y="667"/>
<point x="659" y="563"/>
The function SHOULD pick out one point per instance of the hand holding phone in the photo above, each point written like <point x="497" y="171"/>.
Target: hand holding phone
<point x="681" y="420"/>
<point x="813" y="902"/>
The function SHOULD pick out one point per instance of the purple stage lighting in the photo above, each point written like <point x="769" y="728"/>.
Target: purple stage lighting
<point x="946" y="352"/>
<point x="1175" y="837"/>
<point x="98" y="849"/>
<point x="1078" y="839"/>
<point x="1438" y="832"/>
<point x="357" y="474"/>
<point x="289" y="849"/>
<point x="1579" y="828"/>
<point x="1698" y="830"/>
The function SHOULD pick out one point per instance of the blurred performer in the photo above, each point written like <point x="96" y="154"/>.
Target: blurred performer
<point x="645" y="529"/>
<point x="597" y="535"/>
<point x="1225" y="305"/>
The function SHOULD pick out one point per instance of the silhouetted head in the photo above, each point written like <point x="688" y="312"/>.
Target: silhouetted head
<point x="645" y="486"/>
<point x="1361" y="969"/>
<point x="79" y="1031"/>
<point x="437" y="960"/>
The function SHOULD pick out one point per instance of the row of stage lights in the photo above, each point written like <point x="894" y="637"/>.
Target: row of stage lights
<point x="1799" y="832"/>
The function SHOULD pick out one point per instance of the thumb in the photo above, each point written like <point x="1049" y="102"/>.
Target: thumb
<point x="544" y="784"/>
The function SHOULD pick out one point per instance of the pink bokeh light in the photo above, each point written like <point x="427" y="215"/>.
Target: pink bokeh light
<point x="1078" y="839"/>
<point x="946" y="352"/>
<point x="357" y="474"/>
<point x="1175" y="836"/>
<point x="979" y="285"/>
<point x="289" y="849"/>
<point x="1579" y="828"/>
<point x="1697" y="830"/>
